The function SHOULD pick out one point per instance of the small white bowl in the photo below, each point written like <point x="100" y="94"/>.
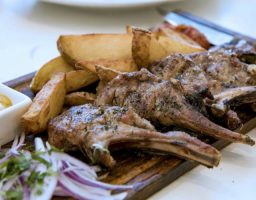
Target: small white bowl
<point x="10" y="118"/>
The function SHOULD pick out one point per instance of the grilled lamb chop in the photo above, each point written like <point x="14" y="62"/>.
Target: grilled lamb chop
<point x="162" y="101"/>
<point x="233" y="97"/>
<point x="214" y="70"/>
<point x="228" y="73"/>
<point x="94" y="129"/>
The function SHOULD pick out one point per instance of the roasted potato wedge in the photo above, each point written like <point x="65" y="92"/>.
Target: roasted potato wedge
<point x="126" y="65"/>
<point x="47" y="104"/>
<point x="129" y="29"/>
<point x="179" y="37"/>
<point x="46" y="71"/>
<point x="79" y="78"/>
<point x="141" y="43"/>
<point x="92" y="47"/>
<point x="75" y="79"/>
<point x="106" y="74"/>
<point x="172" y="31"/>
<point x="79" y="98"/>
<point x="148" y="47"/>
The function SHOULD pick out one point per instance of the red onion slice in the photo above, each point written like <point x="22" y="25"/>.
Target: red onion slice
<point x="77" y="192"/>
<point x="93" y="183"/>
<point x="73" y="177"/>
<point x="50" y="182"/>
<point x="74" y="162"/>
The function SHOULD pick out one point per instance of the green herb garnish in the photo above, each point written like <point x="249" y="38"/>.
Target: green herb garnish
<point x="14" y="166"/>
<point x="54" y="149"/>
<point x="2" y="154"/>
<point x="37" y="156"/>
<point x="14" y="194"/>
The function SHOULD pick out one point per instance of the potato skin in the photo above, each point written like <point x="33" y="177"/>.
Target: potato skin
<point x="75" y="79"/>
<point x="125" y="65"/>
<point x="92" y="47"/>
<point x="44" y="74"/>
<point x="148" y="47"/>
<point x="141" y="42"/>
<point x="47" y="104"/>
<point x="79" y="98"/>
<point x="79" y="78"/>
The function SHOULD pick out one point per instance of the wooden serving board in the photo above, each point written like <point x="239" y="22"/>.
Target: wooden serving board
<point x="148" y="172"/>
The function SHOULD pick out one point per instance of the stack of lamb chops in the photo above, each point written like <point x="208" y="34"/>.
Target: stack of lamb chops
<point x="180" y="90"/>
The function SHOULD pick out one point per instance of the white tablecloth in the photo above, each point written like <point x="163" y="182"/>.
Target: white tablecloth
<point x="29" y="31"/>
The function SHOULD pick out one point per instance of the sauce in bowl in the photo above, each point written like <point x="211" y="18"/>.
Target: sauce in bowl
<point x="5" y="102"/>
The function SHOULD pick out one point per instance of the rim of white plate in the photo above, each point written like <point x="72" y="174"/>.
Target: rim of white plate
<point x="109" y="3"/>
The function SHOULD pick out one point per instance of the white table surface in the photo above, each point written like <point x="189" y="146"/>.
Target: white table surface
<point x="29" y="31"/>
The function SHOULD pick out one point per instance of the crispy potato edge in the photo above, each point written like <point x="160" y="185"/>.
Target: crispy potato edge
<point x="47" y="104"/>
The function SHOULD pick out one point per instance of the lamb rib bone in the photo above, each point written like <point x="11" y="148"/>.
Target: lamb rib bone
<point x="95" y="129"/>
<point x="232" y="97"/>
<point x="162" y="101"/>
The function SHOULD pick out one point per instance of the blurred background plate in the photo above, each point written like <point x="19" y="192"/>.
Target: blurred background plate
<point x="109" y="3"/>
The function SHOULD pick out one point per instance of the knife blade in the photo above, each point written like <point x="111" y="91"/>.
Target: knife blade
<point x="215" y="37"/>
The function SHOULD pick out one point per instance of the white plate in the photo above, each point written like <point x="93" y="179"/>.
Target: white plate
<point x="10" y="117"/>
<point x="109" y="3"/>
